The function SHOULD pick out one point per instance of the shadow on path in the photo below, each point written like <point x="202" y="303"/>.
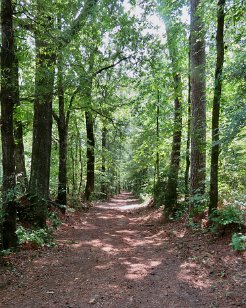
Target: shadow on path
<point x="111" y="257"/>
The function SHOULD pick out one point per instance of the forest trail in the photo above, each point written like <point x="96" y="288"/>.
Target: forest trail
<point x="119" y="255"/>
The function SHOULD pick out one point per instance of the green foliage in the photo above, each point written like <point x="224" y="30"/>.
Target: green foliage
<point x="179" y="211"/>
<point x="159" y="192"/>
<point x="229" y="216"/>
<point x="39" y="237"/>
<point x="238" y="242"/>
<point x="55" y="221"/>
<point x="199" y="202"/>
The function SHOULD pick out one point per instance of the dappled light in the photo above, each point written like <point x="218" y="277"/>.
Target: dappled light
<point x="122" y="180"/>
<point x="110" y="257"/>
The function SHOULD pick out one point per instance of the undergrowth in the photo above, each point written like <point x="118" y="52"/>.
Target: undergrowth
<point x="39" y="237"/>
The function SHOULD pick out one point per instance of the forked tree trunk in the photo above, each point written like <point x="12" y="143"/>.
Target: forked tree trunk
<point x="216" y="107"/>
<point x="198" y="107"/>
<point x="7" y="131"/>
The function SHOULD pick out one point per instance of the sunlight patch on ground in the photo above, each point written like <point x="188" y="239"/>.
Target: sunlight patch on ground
<point x="104" y="246"/>
<point x="110" y="216"/>
<point x="137" y="243"/>
<point x="125" y="232"/>
<point x="127" y="207"/>
<point x="192" y="274"/>
<point x="138" y="271"/>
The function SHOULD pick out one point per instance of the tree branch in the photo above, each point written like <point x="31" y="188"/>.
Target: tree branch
<point x="71" y="104"/>
<point x="110" y="66"/>
<point x="68" y="34"/>
<point x="55" y="116"/>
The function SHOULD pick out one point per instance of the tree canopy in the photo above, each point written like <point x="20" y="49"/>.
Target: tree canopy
<point x="103" y="96"/>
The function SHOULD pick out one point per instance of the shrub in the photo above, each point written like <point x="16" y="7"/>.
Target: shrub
<point x="238" y="242"/>
<point x="229" y="216"/>
<point x="39" y="237"/>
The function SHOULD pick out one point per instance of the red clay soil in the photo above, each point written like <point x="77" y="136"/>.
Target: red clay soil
<point x="120" y="255"/>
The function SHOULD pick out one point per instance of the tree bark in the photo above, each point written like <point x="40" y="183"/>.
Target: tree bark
<point x="20" y="167"/>
<point x="62" y="124"/>
<point x="216" y="107"/>
<point x="42" y="123"/>
<point x="198" y="107"/>
<point x="62" y="174"/>
<point x="7" y="130"/>
<point x="90" y="155"/>
<point x="172" y="181"/>
<point x="158" y="137"/>
<point x="104" y="189"/>
<point x="89" y="121"/>
<point x="187" y="156"/>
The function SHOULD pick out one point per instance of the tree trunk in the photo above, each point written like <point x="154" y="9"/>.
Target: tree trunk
<point x="42" y="125"/>
<point x="90" y="155"/>
<point x="7" y="131"/>
<point x="216" y="107"/>
<point x="81" y="168"/>
<point x="90" y="145"/>
<point x="73" y="164"/>
<point x="62" y="175"/>
<point x="44" y="83"/>
<point x="172" y="181"/>
<point x="20" y="168"/>
<point x="158" y="137"/>
<point x="198" y="107"/>
<point x="63" y="133"/>
<point x="104" y="189"/>
<point x="187" y="156"/>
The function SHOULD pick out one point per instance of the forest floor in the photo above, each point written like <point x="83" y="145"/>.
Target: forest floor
<point x="120" y="255"/>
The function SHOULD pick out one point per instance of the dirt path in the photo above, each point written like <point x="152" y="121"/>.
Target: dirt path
<point x="118" y="256"/>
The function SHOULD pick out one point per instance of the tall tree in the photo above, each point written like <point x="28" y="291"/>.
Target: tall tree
<point x="158" y="137"/>
<point x="44" y="80"/>
<point x="90" y="155"/>
<point x="216" y="107"/>
<point x="42" y="123"/>
<point x="104" y="189"/>
<point x="198" y="104"/>
<point x="172" y="181"/>
<point x="62" y="120"/>
<point x="187" y="154"/>
<point x="20" y="167"/>
<point x="7" y="130"/>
